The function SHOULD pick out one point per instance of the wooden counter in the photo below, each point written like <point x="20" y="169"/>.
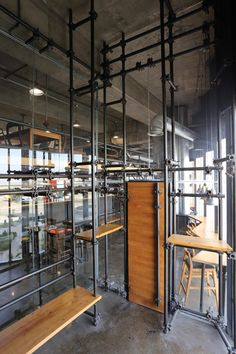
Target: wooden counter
<point x="199" y="243"/>
<point x="101" y="231"/>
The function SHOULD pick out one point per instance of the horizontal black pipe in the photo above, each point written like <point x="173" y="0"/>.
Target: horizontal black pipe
<point x="111" y="103"/>
<point x="156" y="28"/>
<point x="85" y="92"/>
<point x="206" y="168"/>
<point x="32" y="176"/>
<point x="40" y="34"/>
<point x="81" y="22"/>
<point x="199" y="195"/>
<point x="158" y="61"/>
<point x="32" y="191"/>
<point x="196" y="313"/>
<point x="29" y="275"/>
<point x="83" y="163"/>
<point x="83" y="88"/>
<point x="134" y="170"/>
<point x="154" y="45"/>
<point x="32" y="292"/>
<point x="224" y="159"/>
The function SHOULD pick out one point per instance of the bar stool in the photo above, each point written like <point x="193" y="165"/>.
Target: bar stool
<point x="189" y="272"/>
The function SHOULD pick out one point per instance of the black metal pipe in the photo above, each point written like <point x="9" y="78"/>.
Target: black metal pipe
<point x="157" y="44"/>
<point x="93" y="171"/>
<point x="158" y="61"/>
<point x="224" y="338"/>
<point x="23" y="175"/>
<point x="111" y="103"/>
<point x="32" y="292"/>
<point x="40" y="34"/>
<point x="154" y="29"/>
<point x="124" y="126"/>
<point x="170" y="8"/>
<point x="157" y="207"/>
<point x="199" y="195"/>
<point x="81" y="22"/>
<point x="207" y="169"/>
<point x="44" y="269"/>
<point x="165" y="148"/>
<point x="71" y="91"/>
<point x="173" y="155"/>
<point x="105" y="158"/>
<point x="220" y="215"/>
<point x="82" y="88"/>
<point x="34" y="192"/>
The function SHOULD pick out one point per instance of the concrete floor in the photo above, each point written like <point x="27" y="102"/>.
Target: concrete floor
<point x="128" y="328"/>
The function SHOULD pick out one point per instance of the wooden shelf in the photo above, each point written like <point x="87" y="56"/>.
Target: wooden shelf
<point x="31" y="332"/>
<point x="199" y="243"/>
<point x="101" y="231"/>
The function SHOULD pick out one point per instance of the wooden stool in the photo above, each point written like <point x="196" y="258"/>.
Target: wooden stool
<point x="189" y="272"/>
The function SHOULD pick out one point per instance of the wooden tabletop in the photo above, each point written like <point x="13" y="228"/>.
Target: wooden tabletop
<point x="101" y="231"/>
<point x="211" y="258"/>
<point x="199" y="243"/>
<point x="31" y="332"/>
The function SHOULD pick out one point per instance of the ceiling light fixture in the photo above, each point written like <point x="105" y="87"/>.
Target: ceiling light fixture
<point x="36" y="91"/>
<point x="76" y="125"/>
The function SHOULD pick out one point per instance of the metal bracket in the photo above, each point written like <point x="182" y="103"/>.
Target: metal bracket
<point x="171" y="163"/>
<point x="232" y="256"/>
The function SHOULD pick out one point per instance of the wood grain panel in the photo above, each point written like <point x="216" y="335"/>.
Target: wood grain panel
<point x="31" y="332"/>
<point x="142" y="244"/>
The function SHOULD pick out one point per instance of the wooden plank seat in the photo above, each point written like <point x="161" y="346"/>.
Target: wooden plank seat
<point x="31" y="332"/>
<point x="199" y="243"/>
<point x="101" y="231"/>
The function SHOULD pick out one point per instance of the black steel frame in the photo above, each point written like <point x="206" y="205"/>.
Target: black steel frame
<point x="171" y="306"/>
<point x="35" y="173"/>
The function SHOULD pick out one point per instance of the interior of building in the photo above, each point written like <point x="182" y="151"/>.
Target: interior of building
<point x="117" y="177"/>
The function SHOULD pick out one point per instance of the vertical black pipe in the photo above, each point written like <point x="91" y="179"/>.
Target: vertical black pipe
<point x="173" y="154"/>
<point x="234" y="212"/>
<point x="220" y="231"/>
<point x="105" y="154"/>
<point x="71" y="63"/>
<point x="92" y="74"/>
<point x="166" y="217"/>
<point x="123" y="76"/>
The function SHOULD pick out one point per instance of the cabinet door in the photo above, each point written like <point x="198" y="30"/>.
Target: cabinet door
<point x="145" y="244"/>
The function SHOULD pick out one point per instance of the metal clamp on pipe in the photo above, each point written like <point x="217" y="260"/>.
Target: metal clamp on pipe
<point x="227" y="158"/>
<point x="232" y="256"/>
<point x="171" y="83"/>
<point x="169" y="162"/>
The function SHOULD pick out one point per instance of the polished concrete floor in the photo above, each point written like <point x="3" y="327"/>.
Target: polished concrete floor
<point x="128" y="328"/>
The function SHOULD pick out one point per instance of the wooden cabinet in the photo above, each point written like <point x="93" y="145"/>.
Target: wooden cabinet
<point x="145" y="244"/>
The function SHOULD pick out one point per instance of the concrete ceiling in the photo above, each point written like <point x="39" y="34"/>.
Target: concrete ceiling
<point x="51" y="17"/>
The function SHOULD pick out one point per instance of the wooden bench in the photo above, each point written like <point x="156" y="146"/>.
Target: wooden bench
<point x="199" y="243"/>
<point x="31" y="332"/>
<point x="101" y="231"/>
